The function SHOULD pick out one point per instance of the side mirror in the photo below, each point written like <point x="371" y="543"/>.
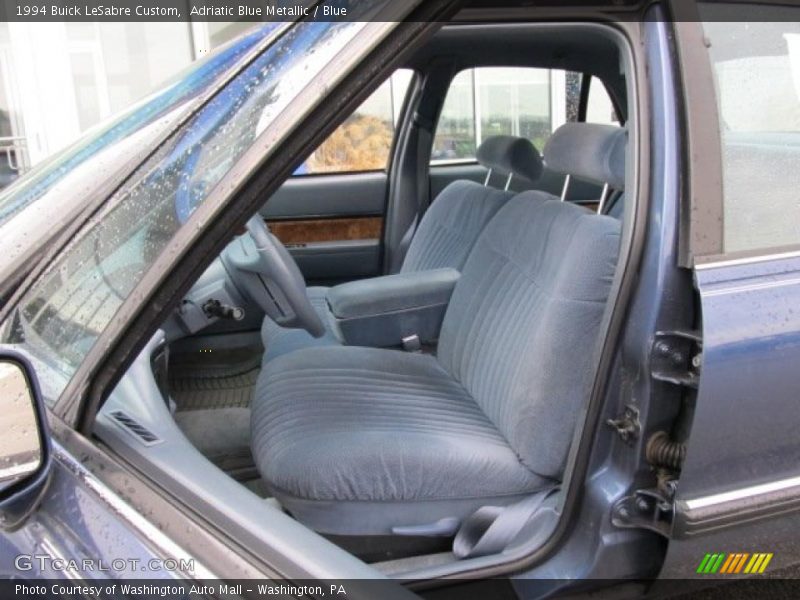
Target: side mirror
<point x="24" y="441"/>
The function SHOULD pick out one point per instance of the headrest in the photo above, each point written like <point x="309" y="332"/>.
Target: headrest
<point x="506" y="154"/>
<point x="589" y="151"/>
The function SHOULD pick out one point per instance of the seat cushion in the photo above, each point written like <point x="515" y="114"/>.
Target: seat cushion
<point x="358" y="440"/>
<point x="281" y="340"/>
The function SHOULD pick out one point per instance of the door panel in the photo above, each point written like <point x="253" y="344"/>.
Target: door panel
<point x="303" y="231"/>
<point x="332" y="224"/>
<point x="340" y="195"/>
<point x="329" y="263"/>
<point x="739" y="489"/>
<point x="330" y="214"/>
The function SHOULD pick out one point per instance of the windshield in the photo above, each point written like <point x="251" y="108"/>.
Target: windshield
<point x="59" y="319"/>
<point x="179" y="91"/>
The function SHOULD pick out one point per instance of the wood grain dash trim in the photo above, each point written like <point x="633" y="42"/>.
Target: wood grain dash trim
<point x="303" y="231"/>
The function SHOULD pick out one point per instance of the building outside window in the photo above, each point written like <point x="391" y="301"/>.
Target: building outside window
<point x="93" y="69"/>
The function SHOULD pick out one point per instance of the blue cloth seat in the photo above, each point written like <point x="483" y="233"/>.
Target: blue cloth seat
<point x="361" y="441"/>
<point x="444" y="238"/>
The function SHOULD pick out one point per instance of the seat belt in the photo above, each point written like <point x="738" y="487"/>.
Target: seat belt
<point x="405" y="243"/>
<point x="424" y="140"/>
<point x="490" y="529"/>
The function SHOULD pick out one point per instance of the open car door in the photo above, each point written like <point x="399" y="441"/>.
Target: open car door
<point x="736" y="503"/>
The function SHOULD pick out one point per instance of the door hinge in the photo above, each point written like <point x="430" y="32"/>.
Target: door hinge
<point x="649" y="508"/>
<point x="677" y="357"/>
<point x="627" y="425"/>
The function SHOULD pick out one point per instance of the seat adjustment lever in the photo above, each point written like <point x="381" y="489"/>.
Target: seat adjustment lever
<point x="445" y="527"/>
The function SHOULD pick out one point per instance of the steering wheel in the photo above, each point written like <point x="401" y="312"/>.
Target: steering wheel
<point x="272" y="279"/>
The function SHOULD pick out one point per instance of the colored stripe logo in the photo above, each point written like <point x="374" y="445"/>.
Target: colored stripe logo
<point x="734" y="563"/>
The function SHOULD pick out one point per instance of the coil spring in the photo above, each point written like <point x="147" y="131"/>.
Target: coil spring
<point x="663" y="452"/>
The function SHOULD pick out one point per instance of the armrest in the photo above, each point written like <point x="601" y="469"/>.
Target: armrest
<point x="382" y="311"/>
<point x="392" y="293"/>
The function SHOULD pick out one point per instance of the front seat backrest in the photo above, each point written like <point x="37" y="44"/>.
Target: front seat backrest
<point x="523" y="321"/>
<point x="454" y="220"/>
<point x="444" y="238"/>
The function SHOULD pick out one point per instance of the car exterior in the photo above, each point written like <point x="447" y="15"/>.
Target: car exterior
<point x="704" y="333"/>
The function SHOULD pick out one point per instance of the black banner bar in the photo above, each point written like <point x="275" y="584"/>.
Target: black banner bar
<point x="711" y="588"/>
<point x="33" y="11"/>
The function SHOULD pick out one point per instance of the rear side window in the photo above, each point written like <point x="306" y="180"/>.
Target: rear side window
<point x="489" y="101"/>
<point x="757" y="76"/>
<point x="599" y="108"/>
<point x="520" y="101"/>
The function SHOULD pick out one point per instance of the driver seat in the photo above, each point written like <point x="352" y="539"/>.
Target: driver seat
<point x="444" y="237"/>
<point x="368" y="441"/>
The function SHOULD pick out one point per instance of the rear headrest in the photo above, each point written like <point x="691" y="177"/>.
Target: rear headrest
<point x="589" y="151"/>
<point x="506" y="154"/>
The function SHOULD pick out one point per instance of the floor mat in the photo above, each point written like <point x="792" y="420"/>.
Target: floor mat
<point x="204" y="381"/>
<point x="218" y="363"/>
<point x="197" y="393"/>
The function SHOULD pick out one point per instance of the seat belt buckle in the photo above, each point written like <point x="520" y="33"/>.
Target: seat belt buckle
<point x="411" y="343"/>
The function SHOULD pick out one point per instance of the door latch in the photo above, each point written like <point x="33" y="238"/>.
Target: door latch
<point x="646" y="509"/>
<point x="677" y="357"/>
<point x="627" y="425"/>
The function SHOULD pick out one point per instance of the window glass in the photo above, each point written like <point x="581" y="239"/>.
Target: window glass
<point x="156" y="110"/>
<point x="515" y="102"/>
<point x="757" y="76"/>
<point x="599" y="108"/>
<point x="456" y="133"/>
<point x="489" y="101"/>
<point x="116" y="64"/>
<point x="61" y="317"/>
<point x="363" y="141"/>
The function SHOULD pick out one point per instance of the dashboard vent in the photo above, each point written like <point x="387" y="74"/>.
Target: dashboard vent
<point x="131" y="425"/>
